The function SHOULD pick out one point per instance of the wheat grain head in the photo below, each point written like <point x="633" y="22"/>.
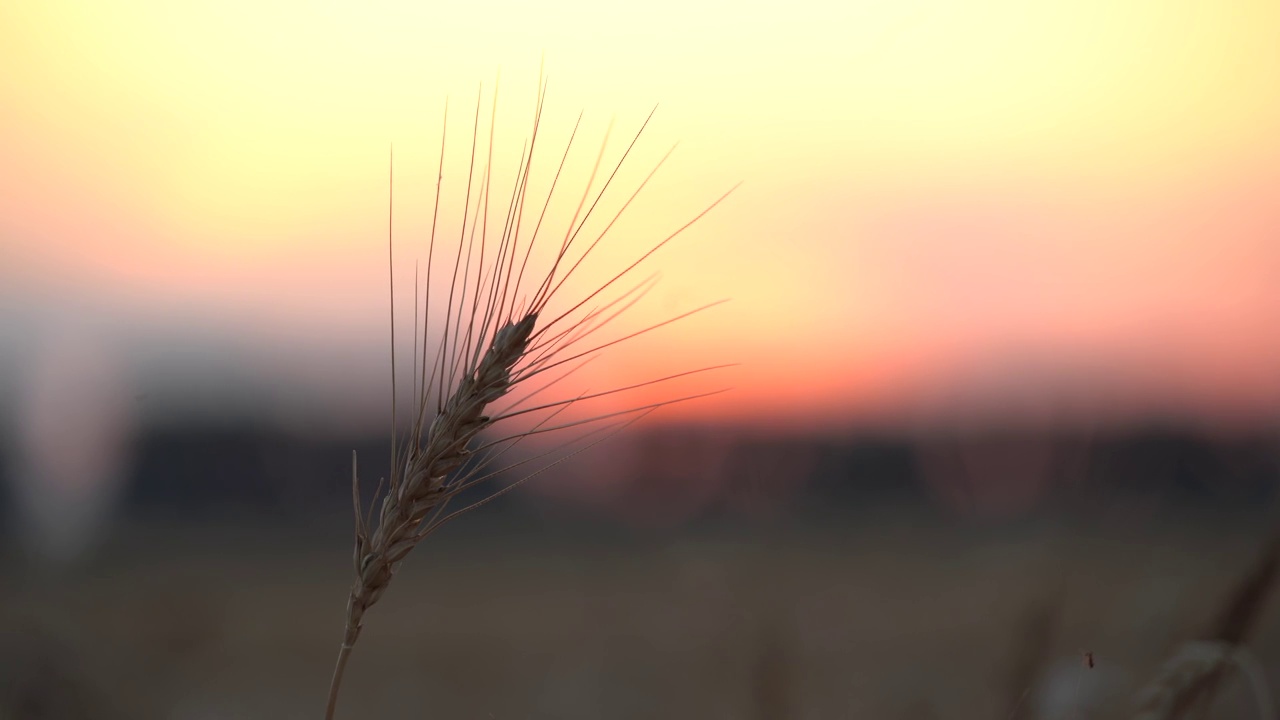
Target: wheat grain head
<point x="1193" y="674"/>
<point x="498" y="334"/>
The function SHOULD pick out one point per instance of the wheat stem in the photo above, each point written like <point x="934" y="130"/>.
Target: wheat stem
<point x="343" y="654"/>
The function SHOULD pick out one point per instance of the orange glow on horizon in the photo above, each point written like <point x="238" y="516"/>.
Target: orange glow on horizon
<point x="943" y="203"/>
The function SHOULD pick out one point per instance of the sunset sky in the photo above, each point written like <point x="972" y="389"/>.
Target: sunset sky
<point x="1059" y="210"/>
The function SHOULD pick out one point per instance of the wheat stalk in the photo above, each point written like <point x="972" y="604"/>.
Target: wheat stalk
<point x="1187" y="672"/>
<point x="498" y="334"/>
<point x="1194" y="673"/>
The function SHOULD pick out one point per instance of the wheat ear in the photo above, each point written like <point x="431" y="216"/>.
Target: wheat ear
<point x="497" y="334"/>
<point x="1188" y="672"/>
<point x="1194" y="673"/>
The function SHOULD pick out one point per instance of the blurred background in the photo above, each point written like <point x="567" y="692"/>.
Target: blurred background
<point x="1003" y="298"/>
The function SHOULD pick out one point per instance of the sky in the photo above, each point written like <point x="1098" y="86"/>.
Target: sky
<point x="951" y="214"/>
<point x="1059" y="211"/>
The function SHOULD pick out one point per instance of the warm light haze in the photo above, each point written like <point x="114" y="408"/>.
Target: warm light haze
<point x="1057" y="210"/>
<point x="948" y="329"/>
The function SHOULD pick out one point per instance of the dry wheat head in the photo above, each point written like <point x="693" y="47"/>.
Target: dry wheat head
<point x="499" y="332"/>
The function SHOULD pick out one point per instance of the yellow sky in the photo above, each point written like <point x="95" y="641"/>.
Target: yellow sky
<point x="939" y="196"/>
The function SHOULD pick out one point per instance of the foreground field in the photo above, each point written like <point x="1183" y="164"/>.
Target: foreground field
<point x="908" y="618"/>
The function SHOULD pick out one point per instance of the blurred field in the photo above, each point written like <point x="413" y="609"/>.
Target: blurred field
<point x="900" y="615"/>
